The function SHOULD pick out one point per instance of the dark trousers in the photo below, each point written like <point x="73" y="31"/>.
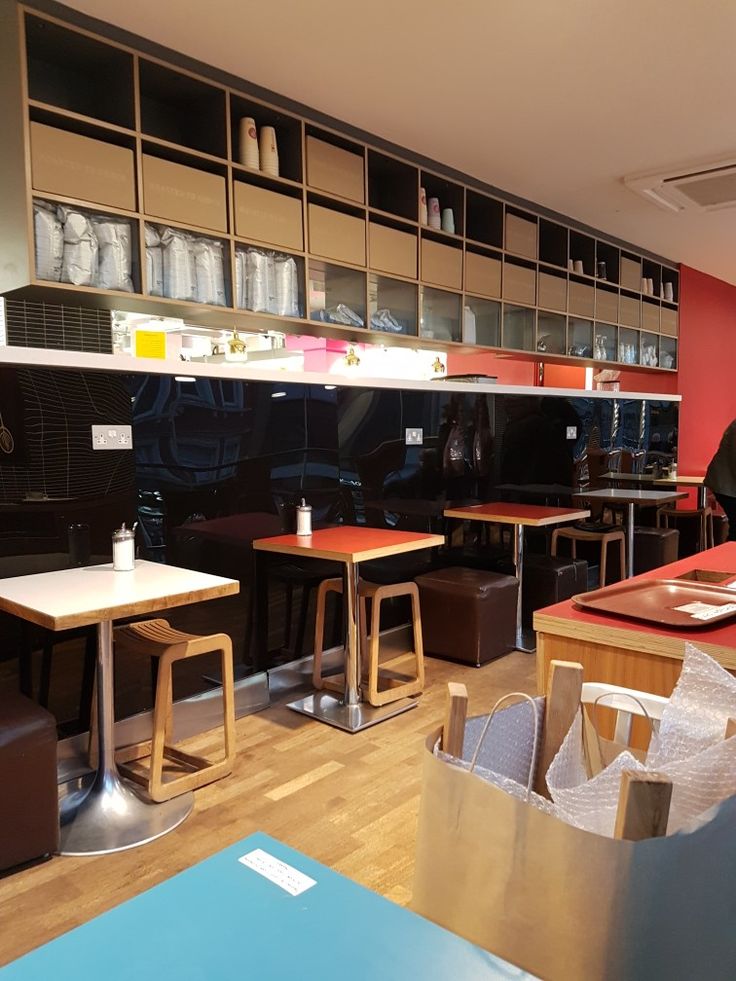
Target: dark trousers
<point x="729" y="508"/>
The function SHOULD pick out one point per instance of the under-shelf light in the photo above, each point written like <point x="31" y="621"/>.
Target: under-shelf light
<point x="278" y="395"/>
<point x="184" y="378"/>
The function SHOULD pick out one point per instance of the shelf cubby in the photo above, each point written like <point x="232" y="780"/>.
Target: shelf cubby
<point x="180" y="188"/>
<point x="393" y="185"/>
<point x="552" y="290"/>
<point x="604" y="342"/>
<point x="521" y="233"/>
<point x="671" y="276"/>
<point x="440" y="317"/>
<point x="649" y="350"/>
<point x="650" y="314"/>
<point x="288" y="131"/>
<point x="268" y="282"/>
<point x="393" y="247"/>
<point x="482" y="321"/>
<point x="553" y="243"/>
<point x="609" y="256"/>
<point x="267" y="213"/>
<point x="518" y="327"/>
<point x="668" y="353"/>
<point x="606" y="303"/>
<point x="581" y="297"/>
<point x="392" y="305"/>
<point x="483" y="219"/>
<point x="180" y="109"/>
<point x="551" y="332"/>
<point x="441" y="261"/>
<point x="332" y="288"/>
<point x="449" y="195"/>
<point x="651" y="270"/>
<point x="582" y="249"/>
<point x="629" y="311"/>
<point x="182" y="264"/>
<point x="78" y="73"/>
<point x="336" y="231"/>
<point x="630" y="271"/>
<point x="335" y="164"/>
<point x="483" y="270"/>
<point x="519" y="281"/>
<point x="628" y="346"/>
<point x="580" y="337"/>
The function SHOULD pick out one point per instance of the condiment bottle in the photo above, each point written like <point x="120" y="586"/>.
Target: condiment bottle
<point x="304" y="518"/>
<point x="123" y="549"/>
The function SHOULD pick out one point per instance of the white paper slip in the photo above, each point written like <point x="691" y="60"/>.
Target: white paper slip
<point x="285" y="876"/>
<point x="706" y="611"/>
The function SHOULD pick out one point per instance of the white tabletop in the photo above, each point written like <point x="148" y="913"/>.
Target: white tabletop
<point x="79" y="597"/>
<point x="631" y="495"/>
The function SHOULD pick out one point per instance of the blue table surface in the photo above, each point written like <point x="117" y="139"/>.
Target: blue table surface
<point x="220" y="919"/>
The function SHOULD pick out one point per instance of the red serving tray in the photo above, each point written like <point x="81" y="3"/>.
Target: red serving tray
<point x="655" y="601"/>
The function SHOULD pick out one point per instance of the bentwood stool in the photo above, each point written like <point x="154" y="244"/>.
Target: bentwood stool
<point x="386" y="681"/>
<point x="156" y="639"/>
<point x="604" y="537"/>
<point x="704" y="516"/>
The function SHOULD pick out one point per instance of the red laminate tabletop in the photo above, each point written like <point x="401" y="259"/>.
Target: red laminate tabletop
<point x="349" y="543"/>
<point x="517" y="514"/>
<point x="603" y="629"/>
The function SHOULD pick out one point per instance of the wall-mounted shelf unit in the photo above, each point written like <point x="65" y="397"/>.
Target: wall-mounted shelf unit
<point x="139" y="165"/>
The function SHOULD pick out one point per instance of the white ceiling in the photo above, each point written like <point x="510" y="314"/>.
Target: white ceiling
<point x="553" y="100"/>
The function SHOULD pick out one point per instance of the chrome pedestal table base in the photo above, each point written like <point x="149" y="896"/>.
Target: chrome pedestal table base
<point x="110" y="814"/>
<point x="330" y="708"/>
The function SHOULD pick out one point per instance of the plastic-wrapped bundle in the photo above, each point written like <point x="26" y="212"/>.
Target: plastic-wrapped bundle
<point x="115" y="258"/>
<point x="178" y="265"/>
<point x="240" y="263"/>
<point x="341" y="313"/>
<point x="79" y="262"/>
<point x="385" y="320"/>
<point x="209" y="271"/>
<point x="258" y="280"/>
<point x="154" y="262"/>
<point x="286" y="286"/>
<point x="49" y="239"/>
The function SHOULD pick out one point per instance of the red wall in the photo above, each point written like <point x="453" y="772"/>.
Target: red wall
<point x="707" y="373"/>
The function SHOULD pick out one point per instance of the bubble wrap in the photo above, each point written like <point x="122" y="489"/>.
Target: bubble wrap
<point x="115" y="259"/>
<point x="49" y="241"/>
<point x="179" y="277"/>
<point x="79" y="263"/>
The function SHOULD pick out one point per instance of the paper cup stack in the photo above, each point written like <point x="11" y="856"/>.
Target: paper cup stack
<point x="269" y="154"/>
<point x="248" y="136"/>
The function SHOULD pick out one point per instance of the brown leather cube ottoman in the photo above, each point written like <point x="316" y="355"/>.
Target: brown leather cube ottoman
<point x="29" y="808"/>
<point x="654" y="547"/>
<point x="468" y="615"/>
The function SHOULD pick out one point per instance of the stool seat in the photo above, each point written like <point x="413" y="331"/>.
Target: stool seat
<point x="704" y="516"/>
<point x="469" y="615"/>
<point x="604" y="535"/>
<point x="158" y="639"/>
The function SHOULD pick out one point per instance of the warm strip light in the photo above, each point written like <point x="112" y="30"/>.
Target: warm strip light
<point x="278" y="395"/>
<point x="184" y="378"/>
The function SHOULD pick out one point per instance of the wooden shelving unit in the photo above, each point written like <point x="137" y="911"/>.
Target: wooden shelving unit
<point x="346" y="212"/>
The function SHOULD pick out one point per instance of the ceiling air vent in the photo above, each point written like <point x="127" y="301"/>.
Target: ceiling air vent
<point x="701" y="187"/>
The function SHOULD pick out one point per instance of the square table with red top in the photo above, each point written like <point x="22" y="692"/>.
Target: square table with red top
<point x="520" y="516"/>
<point x="349" y="545"/>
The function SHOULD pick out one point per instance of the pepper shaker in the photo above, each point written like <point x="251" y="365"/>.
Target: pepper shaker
<point x="304" y="518"/>
<point x="123" y="549"/>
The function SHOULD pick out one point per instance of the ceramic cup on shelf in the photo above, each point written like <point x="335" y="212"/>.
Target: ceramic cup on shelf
<point x="248" y="143"/>
<point x="422" y="206"/>
<point x="578" y="266"/>
<point x="433" y="213"/>
<point x="269" y="154"/>
<point x="448" y="220"/>
<point x="570" y="265"/>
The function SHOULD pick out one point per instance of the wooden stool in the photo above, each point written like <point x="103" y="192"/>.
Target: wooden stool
<point x="705" y="522"/>
<point x="156" y="639"/>
<point x="575" y="535"/>
<point x="397" y="687"/>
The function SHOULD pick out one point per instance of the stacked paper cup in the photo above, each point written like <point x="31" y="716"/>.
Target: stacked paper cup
<point x="269" y="153"/>
<point x="248" y="143"/>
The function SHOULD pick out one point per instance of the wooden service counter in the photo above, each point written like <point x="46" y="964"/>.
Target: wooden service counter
<point x="629" y="653"/>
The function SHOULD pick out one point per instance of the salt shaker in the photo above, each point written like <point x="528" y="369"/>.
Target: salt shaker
<point x="123" y="549"/>
<point x="304" y="518"/>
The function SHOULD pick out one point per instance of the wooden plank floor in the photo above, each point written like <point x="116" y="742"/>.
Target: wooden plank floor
<point x="350" y="801"/>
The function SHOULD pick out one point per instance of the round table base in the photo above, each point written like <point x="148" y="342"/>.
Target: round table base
<point x="112" y="815"/>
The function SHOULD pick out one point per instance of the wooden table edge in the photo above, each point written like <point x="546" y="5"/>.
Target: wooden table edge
<point x="509" y="520"/>
<point x="91" y="617"/>
<point x="363" y="555"/>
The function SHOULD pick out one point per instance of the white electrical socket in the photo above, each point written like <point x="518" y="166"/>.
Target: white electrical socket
<point x="414" y="437"/>
<point x="112" y="437"/>
<point x="572" y="432"/>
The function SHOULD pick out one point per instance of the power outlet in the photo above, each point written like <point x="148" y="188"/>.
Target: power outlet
<point x="572" y="432"/>
<point x="414" y="437"/>
<point x="112" y="437"/>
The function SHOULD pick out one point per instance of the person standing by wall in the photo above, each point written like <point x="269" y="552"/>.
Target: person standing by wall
<point x="720" y="477"/>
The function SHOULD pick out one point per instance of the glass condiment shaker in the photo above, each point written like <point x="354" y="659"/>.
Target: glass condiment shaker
<point x="304" y="518"/>
<point x="123" y="549"/>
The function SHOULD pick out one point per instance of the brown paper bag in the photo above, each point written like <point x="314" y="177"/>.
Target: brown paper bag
<point x="566" y="904"/>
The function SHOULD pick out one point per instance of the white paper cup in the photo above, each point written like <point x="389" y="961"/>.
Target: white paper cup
<point x="248" y="143"/>
<point x="448" y="220"/>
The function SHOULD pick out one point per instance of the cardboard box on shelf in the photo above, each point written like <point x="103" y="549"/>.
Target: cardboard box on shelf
<point x="175" y="192"/>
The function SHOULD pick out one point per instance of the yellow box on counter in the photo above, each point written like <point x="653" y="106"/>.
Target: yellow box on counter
<point x="334" y="235"/>
<point x="176" y="192"/>
<point x="482" y="275"/>
<point x="338" y="171"/>
<point x="519" y="284"/>
<point x="392" y="251"/>
<point x="266" y="216"/>
<point x="76" y="166"/>
<point x="442" y="265"/>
